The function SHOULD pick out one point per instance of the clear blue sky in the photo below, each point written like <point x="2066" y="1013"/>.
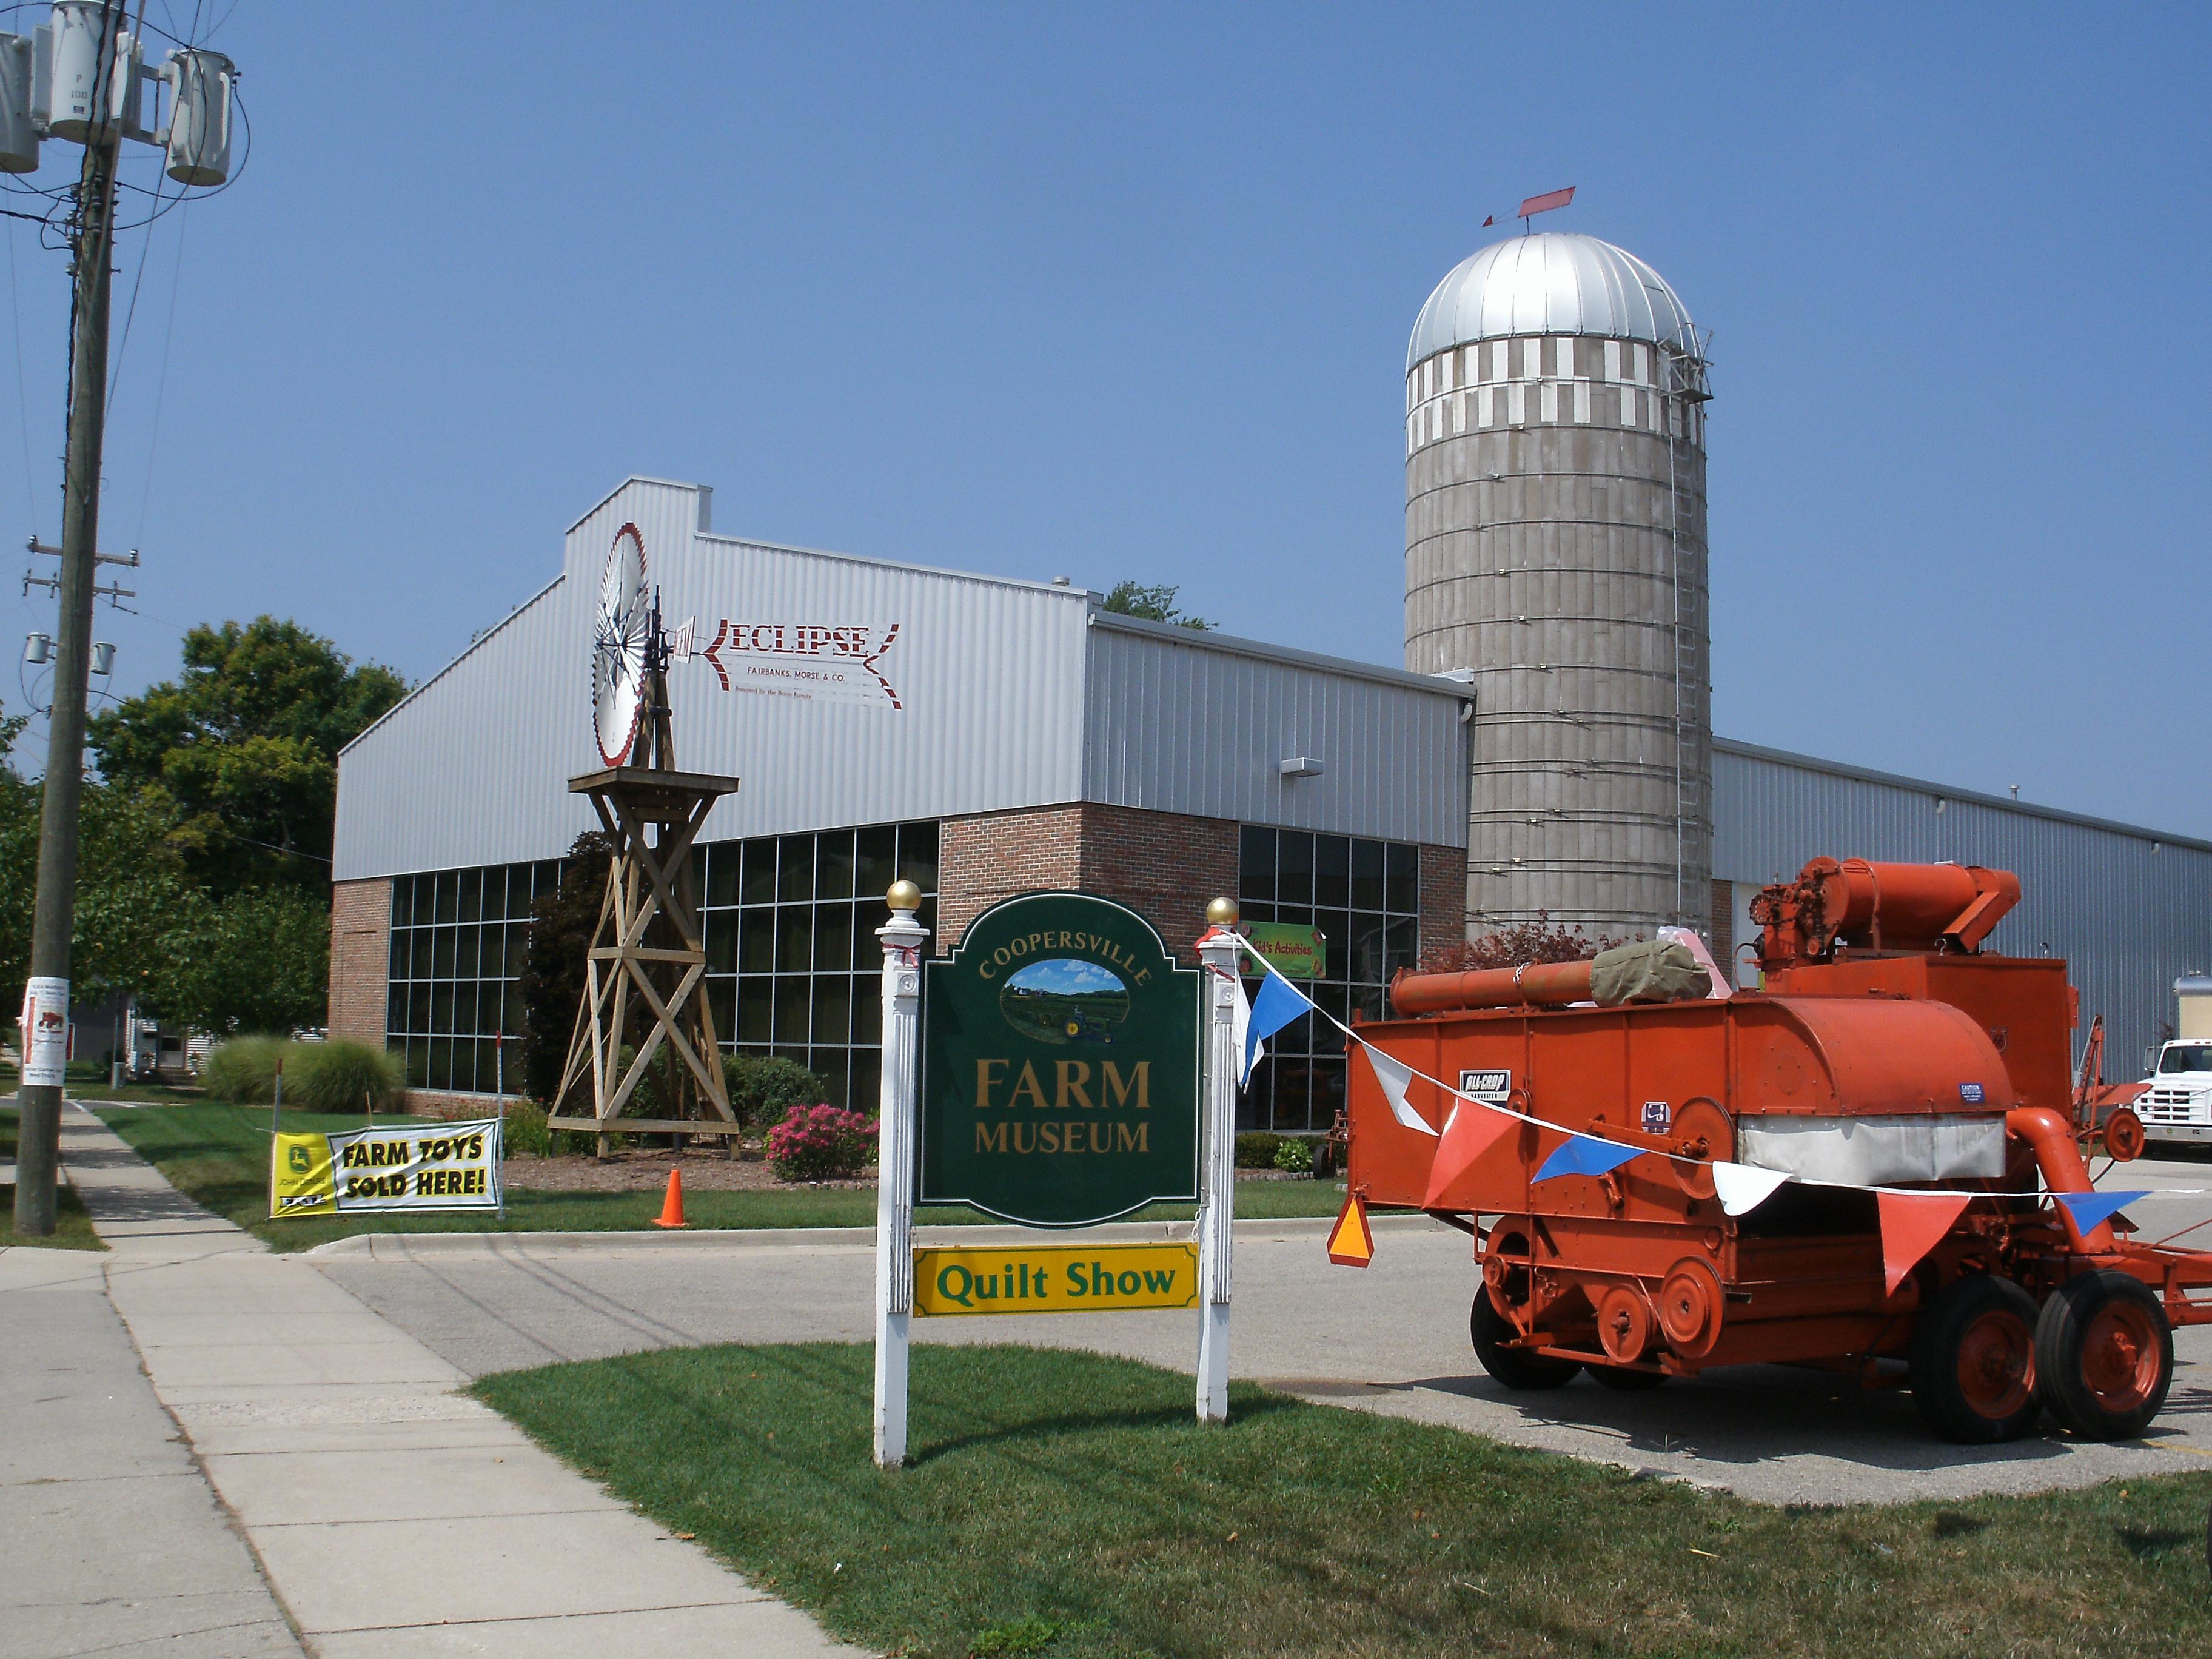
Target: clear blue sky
<point x="1124" y="291"/>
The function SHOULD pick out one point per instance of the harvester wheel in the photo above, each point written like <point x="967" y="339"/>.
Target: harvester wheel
<point x="1517" y="1368"/>
<point x="2104" y="1355"/>
<point x="1974" y="1361"/>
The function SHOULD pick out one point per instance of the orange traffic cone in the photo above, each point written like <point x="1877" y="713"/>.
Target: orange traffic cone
<point x="671" y="1208"/>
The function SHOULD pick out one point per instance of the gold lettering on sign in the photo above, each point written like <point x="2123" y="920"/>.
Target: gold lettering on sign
<point x="990" y="1137"/>
<point x="1140" y="1081"/>
<point x="984" y="1078"/>
<point x="1073" y="1075"/>
<point x="1027" y="1084"/>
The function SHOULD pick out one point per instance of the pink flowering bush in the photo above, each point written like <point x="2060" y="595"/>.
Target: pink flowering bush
<point x="821" y="1143"/>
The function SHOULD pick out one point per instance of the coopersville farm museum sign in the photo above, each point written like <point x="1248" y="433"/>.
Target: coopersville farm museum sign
<point x="1059" y="1066"/>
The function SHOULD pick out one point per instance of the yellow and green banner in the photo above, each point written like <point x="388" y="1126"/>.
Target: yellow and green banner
<point x="436" y="1166"/>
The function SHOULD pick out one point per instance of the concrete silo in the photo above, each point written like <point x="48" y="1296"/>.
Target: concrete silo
<point x="1555" y="558"/>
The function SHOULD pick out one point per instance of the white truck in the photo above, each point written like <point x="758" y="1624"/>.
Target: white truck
<point x="2177" y="1105"/>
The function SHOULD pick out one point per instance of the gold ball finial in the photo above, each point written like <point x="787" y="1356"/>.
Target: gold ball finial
<point x="904" y="897"/>
<point x="1222" y="913"/>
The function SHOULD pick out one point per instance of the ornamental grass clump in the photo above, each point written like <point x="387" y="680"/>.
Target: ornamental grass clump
<point x="821" y="1143"/>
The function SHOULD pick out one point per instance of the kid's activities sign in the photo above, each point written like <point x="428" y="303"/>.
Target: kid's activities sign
<point x="438" y="1166"/>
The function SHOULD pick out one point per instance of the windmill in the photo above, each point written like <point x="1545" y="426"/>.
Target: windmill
<point x="648" y="952"/>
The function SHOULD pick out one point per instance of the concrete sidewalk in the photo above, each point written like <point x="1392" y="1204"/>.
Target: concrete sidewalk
<point x="390" y="1514"/>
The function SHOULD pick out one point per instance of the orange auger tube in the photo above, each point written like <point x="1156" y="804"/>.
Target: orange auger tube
<point x="2059" y="1157"/>
<point x="1543" y="984"/>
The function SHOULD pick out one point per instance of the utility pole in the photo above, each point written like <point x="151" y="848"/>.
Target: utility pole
<point x="80" y="78"/>
<point x="92" y="243"/>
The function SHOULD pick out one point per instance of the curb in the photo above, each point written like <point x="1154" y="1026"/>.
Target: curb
<point x="404" y="1247"/>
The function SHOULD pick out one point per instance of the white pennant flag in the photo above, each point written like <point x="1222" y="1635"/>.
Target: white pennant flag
<point x="1240" y="1022"/>
<point x="1395" y="1081"/>
<point x="1745" y="1187"/>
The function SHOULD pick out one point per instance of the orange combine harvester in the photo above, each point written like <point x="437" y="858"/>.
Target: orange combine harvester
<point x="1887" y="1050"/>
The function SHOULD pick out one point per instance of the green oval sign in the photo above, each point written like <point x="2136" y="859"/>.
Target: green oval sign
<point x="1059" y="1065"/>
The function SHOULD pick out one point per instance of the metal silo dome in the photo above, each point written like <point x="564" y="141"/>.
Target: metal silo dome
<point x="1555" y="282"/>
<point x="1555" y="562"/>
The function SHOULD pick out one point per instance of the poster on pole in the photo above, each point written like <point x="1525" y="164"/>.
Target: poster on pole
<point x="1059" y="1066"/>
<point x="436" y="1166"/>
<point x="46" y="1033"/>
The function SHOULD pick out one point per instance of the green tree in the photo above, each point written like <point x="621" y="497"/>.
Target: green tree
<point x="256" y="961"/>
<point x="562" y="923"/>
<point x="1153" y="604"/>
<point x="132" y="888"/>
<point x="243" y="745"/>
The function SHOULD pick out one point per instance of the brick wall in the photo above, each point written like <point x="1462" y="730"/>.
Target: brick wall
<point x="361" y="959"/>
<point x="1443" y="904"/>
<point x="1165" y="866"/>
<point x="994" y="855"/>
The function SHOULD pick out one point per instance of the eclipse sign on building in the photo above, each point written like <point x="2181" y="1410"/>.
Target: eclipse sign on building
<point x="1060" y="1066"/>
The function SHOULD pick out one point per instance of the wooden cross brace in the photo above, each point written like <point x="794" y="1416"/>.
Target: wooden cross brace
<point x="645" y="881"/>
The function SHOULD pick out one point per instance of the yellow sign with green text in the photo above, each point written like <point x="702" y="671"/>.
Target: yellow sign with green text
<point x="1055" y="1279"/>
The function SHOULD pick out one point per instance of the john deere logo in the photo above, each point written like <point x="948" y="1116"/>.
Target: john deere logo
<point x="1065" y="999"/>
<point x="297" y="1157"/>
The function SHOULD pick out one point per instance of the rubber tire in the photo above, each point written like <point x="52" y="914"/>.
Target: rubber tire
<point x="1934" y="1358"/>
<point x="1625" y="1379"/>
<point x="1517" y="1368"/>
<point x="2058" y="1337"/>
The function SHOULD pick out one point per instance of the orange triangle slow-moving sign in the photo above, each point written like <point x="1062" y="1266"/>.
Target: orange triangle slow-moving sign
<point x="1351" y="1241"/>
<point x="1911" y="1224"/>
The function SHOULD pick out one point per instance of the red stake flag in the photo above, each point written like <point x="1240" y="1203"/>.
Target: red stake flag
<point x="1911" y="1224"/>
<point x="1546" y="202"/>
<point x="1470" y="1130"/>
<point x="1351" y="1241"/>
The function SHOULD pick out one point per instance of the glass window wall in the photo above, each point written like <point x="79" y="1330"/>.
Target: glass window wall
<point x="1364" y="896"/>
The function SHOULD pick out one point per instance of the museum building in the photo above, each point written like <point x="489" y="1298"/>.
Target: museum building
<point x="979" y="736"/>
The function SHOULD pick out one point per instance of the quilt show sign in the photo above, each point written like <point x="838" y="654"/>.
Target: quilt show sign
<point x="1059" y="1066"/>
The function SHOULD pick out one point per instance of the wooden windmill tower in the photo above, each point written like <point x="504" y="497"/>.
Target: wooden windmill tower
<point x="644" y="978"/>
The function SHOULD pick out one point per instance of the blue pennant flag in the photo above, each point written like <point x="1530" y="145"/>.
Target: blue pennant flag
<point x="1586" y="1155"/>
<point x="1276" y="1006"/>
<point x="2088" y="1209"/>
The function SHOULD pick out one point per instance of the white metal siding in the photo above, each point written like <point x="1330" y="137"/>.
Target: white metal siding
<point x="2130" y="909"/>
<point x="1181" y="725"/>
<point x="473" y="768"/>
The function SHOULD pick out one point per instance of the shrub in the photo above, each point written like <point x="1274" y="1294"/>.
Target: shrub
<point x="243" y="1071"/>
<point x="1295" y="1156"/>
<point x="1540" y="940"/>
<point x="342" y="1076"/>
<point x="1256" y="1149"/>
<point x="525" y="1134"/>
<point x="339" y="1076"/>
<point x="821" y="1143"/>
<point x="763" y="1089"/>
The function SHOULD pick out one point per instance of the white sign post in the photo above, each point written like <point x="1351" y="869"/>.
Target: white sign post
<point x="1217" y="1207"/>
<point x="902" y="938"/>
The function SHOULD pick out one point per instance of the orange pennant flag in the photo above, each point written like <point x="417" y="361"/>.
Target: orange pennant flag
<point x="1351" y="1241"/>
<point x="1911" y="1224"/>
<point x="1471" y="1130"/>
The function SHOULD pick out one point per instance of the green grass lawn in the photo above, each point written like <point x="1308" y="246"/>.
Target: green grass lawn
<point x="1065" y="1504"/>
<point x="72" y="1226"/>
<point x="218" y="1154"/>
